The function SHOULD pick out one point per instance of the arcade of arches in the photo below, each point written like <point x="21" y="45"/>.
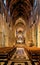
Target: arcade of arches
<point x="19" y="32"/>
<point x="8" y="35"/>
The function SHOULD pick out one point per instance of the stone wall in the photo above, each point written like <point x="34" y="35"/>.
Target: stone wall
<point x="38" y="33"/>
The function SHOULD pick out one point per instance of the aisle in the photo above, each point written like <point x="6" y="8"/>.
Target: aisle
<point x="19" y="56"/>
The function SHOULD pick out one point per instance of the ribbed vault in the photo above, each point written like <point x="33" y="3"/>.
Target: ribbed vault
<point x="20" y="8"/>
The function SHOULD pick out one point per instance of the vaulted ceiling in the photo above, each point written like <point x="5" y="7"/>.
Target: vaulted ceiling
<point x="20" y="8"/>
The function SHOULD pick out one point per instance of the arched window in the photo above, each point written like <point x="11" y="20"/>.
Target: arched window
<point x="4" y="2"/>
<point x="35" y="4"/>
<point x="0" y="7"/>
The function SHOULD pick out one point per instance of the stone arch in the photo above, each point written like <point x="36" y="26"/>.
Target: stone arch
<point x="20" y="20"/>
<point x="20" y="27"/>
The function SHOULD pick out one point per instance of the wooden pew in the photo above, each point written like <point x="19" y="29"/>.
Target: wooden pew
<point x="6" y="53"/>
<point x="33" y="53"/>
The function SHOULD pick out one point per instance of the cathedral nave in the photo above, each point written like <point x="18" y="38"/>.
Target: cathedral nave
<point x="19" y="32"/>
